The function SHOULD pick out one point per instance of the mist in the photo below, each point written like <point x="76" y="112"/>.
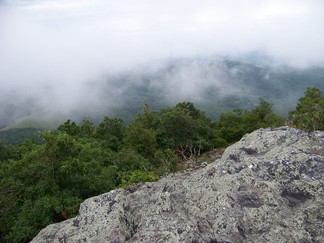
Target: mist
<point x="64" y="56"/>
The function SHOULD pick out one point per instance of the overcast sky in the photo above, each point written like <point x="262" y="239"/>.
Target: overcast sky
<point x="46" y="43"/>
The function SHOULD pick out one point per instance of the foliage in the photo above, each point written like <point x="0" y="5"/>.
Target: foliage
<point x="141" y="139"/>
<point x="233" y="125"/>
<point x="137" y="176"/>
<point x="128" y="160"/>
<point x="41" y="183"/>
<point x="166" y="161"/>
<point x="280" y="85"/>
<point x="112" y="132"/>
<point x="18" y="135"/>
<point x="49" y="178"/>
<point x="182" y="128"/>
<point x="8" y="151"/>
<point x="261" y="117"/>
<point x="309" y="112"/>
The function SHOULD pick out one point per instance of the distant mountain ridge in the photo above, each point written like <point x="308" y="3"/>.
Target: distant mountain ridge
<point x="17" y="135"/>
<point x="215" y="85"/>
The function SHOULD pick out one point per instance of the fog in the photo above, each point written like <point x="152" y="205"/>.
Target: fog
<point x="55" y="54"/>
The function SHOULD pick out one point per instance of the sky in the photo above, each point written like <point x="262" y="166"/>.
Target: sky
<point x="50" y="48"/>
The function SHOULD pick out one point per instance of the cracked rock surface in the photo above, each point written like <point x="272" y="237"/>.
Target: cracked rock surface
<point x="268" y="187"/>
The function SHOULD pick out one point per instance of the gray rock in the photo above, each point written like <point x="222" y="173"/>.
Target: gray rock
<point x="266" y="188"/>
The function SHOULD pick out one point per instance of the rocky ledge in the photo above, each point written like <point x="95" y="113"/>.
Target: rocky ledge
<point x="268" y="187"/>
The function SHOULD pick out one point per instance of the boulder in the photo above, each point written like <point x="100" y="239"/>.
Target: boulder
<point x="268" y="187"/>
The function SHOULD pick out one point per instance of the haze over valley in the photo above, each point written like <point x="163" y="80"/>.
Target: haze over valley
<point x="84" y="60"/>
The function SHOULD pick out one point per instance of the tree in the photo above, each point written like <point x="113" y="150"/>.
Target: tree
<point x="261" y="117"/>
<point x="309" y="112"/>
<point x="112" y="131"/>
<point x="7" y="152"/>
<point x="69" y="127"/>
<point x="189" y="130"/>
<point x="48" y="179"/>
<point x="42" y="183"/>
<point x="233" y="125"/>
<point x="141" y="139"/>
<point x="87" y="129"/>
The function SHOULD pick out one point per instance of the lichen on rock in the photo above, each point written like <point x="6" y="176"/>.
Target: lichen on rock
<point x="268" y="187"/>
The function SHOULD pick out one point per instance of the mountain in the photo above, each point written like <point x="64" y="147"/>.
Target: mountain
<point x="18" y="135"/>
<point x="214" y="84"/>
<point x="268" y="187"/>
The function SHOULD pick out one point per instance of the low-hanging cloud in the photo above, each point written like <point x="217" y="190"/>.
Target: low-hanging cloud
<point x="50" y="49"/>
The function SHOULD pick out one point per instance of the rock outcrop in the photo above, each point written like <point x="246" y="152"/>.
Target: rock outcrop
<point x="266" y="188"/>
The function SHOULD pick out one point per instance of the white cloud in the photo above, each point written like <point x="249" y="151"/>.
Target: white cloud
<point x="190" y="27"/>
<point x="59" y="44"/>
<point x="116" y="34"/>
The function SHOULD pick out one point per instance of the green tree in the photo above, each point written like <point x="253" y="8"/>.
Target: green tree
<point x="128" y="160"/>
<point x="50" y="178"/>
<point x="261" y="117"/>
<point x="87" y="129"/>
<point x="69" y="127"/>
<point x="7" y="152"/>
<point x="137" y="176"/>
<point x="233" y="125"/>
<point x="40" y="181"/>
<point x="309" y="112"/>
<point x="142" y="139"/>
<point x="112" y="131"/>
<point x="189" y="130"/>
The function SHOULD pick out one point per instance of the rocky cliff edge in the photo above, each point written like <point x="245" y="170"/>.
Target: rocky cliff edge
<point x="268" y="187"/>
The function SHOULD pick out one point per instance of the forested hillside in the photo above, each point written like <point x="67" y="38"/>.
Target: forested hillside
<point x="18" y="135"/>
<point x="43" y="183"/>
<point x="215" y="85"/>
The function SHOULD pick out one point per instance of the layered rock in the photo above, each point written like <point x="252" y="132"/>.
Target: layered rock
<point x="266" y="188"/>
